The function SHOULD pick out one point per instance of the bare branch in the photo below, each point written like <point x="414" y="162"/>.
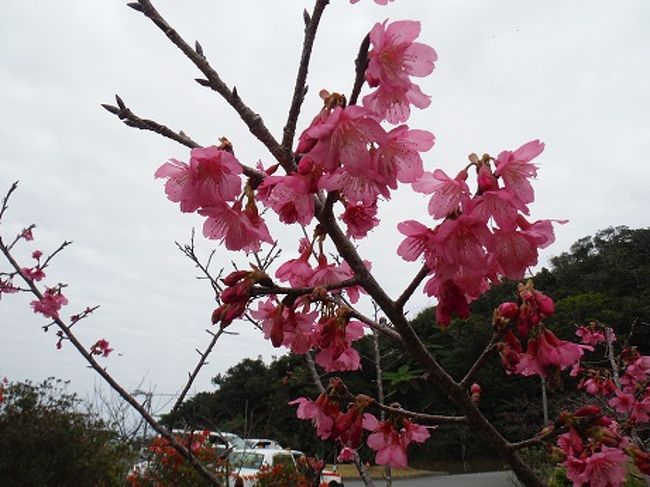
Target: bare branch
<point x="360" y="64"/>
<point x="432" y="418"/>
<point x="5" y="200"/>
<point x="480" y="361"/>
<point x="252" y="120"/>
<point x="410" y="289"/>
<point x="300" y="90"/>
<point x="301" y="291"/>
<point x="309" y="360"/>
<point x="129" y="118"/>
<point x="192" y="377"/>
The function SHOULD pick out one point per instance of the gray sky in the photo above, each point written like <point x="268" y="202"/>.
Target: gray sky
<point x="573" y="74"/>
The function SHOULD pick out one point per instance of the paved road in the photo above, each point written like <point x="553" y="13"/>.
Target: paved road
<point x="486" y="479"/>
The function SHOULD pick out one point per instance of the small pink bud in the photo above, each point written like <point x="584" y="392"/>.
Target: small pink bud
<point x="508" y="310"/>
<point x="37" y="254"/>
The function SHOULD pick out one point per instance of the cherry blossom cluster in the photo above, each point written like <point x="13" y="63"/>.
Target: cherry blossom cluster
<point x="483" y="236"/>
<point x="545" y="354"/>
<point x="594" y="451"/>
<point x="50" y="300"/>
<point x="390" y="438"/>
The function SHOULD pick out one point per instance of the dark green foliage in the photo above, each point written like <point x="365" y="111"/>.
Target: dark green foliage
<point x="45" y="441"/>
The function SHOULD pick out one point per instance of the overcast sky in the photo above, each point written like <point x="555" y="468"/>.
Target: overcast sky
<point x="573" y="74"/>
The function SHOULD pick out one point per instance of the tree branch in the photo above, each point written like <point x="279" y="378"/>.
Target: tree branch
<point x="360" y="64"/>
<point x="65" y="329"/>
<point x="300" y="88"/>
<point x="252" y="120"/>
<point x="129" y="118"/>
<point x="410" y="289"/>
<point x="192" y="377"/>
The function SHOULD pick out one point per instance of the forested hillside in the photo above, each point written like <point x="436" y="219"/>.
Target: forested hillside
<point x="605" y="277"/>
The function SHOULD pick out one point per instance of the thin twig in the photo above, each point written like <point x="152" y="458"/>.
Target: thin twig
<point x="410" y="289"/>
<point x="480" y="361"/>
<point x="5" y="200"/>
<point x="360" y="64"/>
<point x="300" y="88"/>
<point x="301" y="291"/>
<point x="192" y="377"/>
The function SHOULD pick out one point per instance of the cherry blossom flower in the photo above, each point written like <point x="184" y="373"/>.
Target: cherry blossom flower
<point x="321" y="412"/>
<point x="334" y="336"/>
<point x="27" y="233"/>
<point x="515" y="168"/>
<point x="50" y="304"/>
<point x="449" y="195"/>
<point x="546" y="351"/>
<point x="360" y="219"/>
<point x="210" y="178"/>
<point x="589" y="335"/>
<point x="391" y="445"/>
<point x="399" y="157"/>
<point x="395" y="57"/>
<point x="33" y="274"/>
<point x="101" y="347"/>
<point x="237" y="229"/>
<point x="290" y="197"/>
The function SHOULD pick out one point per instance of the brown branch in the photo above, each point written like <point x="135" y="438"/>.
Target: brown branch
<point x="252" y="120"/>
<point x="125" y="114"/>
<point x="410" y="289"/>
<point x="5" y="200"/>
<point x="309" y="360"/>
<point x="300" y="88"/>
<point x="192" y="377"/>
<point x="360" y="64"/>
<point x="433" y="418"/>
<point x="301" y="291"/>
<point x="480" y="361"/>
<point x="65" y="329"/>
<point x="537" y="439"/>
<point x="129" y="118"/>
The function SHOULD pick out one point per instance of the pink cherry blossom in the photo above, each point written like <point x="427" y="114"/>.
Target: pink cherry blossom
<point x="308" y="409"/>
<point x="50" y="304"/>
<point x="360" y="219"/>
<point x="7" y="287"/>
<point x="290" y="197"/>
<point x="237" y="229"/>
<point x="210" y="178"/>
<point x="393" y="59"/>
<point x="605" y="468"/>
<point x="515" y="169"/>
<point x="449" y="195"/>
<point x="101" y="347"/>
<point x="590" y="335"/>
<point x="418" y="241"/>
<point x="33" y="274"/>
<point x="27" y="233"/>
<point x="385" y="441"/>
<point x="297" y="272"/>
<point x="399" y="158"/>
<point x="545" y="352"/>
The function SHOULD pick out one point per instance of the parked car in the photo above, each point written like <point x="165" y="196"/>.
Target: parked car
<point x="255" y="443"/>
<point x="246" y="465"/>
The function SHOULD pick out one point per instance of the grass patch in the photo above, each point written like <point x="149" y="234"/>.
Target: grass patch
<point x="349" y="472"/>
